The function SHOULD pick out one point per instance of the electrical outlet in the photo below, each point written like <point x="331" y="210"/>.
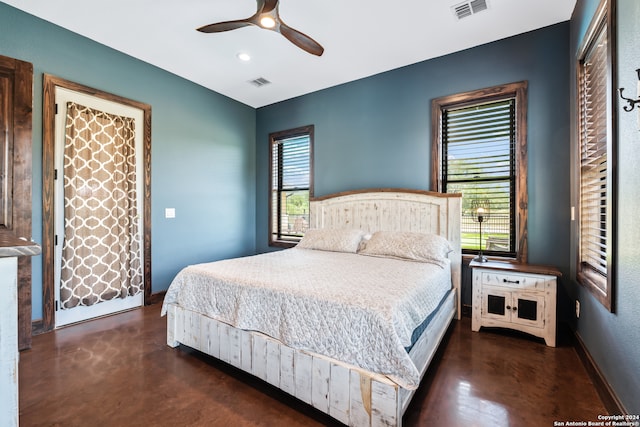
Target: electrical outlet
<point x="577" y="309"/>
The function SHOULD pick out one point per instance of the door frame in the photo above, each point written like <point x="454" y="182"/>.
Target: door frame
<point x="20" y="167"/>
<point x="48" y="186"/>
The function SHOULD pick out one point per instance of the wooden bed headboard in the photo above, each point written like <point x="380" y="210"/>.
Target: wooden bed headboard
<point x="395" y="210"/>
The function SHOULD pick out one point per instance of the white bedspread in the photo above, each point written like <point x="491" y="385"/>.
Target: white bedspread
<point x="358" y="309"/>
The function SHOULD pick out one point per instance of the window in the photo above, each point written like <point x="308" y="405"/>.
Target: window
<point x="479" y="150"/>
<point x="291" y="185"/>
<point x="596" y="145"/>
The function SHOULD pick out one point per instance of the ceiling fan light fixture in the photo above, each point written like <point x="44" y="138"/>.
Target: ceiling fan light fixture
<point x="267" y="22"/>
<point x="267" y="17"/>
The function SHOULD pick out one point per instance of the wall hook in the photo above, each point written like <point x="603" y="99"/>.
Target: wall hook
<point x="631" y="102"/>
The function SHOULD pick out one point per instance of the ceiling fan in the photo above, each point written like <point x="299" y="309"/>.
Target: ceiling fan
<point x="267" y="17"/>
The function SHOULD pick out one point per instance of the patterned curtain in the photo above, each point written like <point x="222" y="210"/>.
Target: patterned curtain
<point x="101" y="257"/>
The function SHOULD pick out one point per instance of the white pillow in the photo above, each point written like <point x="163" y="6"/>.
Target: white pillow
<point x="412" y="246"/>
<point x="332" y="239"/>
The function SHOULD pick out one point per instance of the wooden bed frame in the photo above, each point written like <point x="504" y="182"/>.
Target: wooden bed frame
<point x="353" y="396"/>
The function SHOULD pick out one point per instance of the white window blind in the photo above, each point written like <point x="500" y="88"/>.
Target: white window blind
<point x="291" y="167"/>
<point x="478" y="160"/>
<point x="594" y="138"/>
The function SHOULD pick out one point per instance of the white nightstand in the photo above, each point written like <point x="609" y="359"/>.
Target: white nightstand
<point x="515" y="296"/>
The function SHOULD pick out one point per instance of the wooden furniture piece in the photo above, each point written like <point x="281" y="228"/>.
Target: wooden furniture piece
<point x="516" y="296"/>
<point x="10" y="249"/>
<point x="350" y="394"/>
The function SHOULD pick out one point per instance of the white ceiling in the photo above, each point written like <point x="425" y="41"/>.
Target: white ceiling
<point x="360" y="37"/>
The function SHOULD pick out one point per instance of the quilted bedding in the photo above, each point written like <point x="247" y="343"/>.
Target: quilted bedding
<point x="355" y="308"/>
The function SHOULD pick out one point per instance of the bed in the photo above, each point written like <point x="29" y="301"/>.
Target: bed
<point x="367" y="375"/>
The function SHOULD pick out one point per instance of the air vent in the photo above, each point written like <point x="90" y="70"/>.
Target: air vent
<point x="468" y="8"/>
<point x="259" y="82"/>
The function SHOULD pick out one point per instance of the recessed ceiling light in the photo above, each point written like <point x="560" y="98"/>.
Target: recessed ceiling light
<point x="243" y="56"/>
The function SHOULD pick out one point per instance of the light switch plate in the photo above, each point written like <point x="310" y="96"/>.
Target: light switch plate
<point x="170" y="213"/>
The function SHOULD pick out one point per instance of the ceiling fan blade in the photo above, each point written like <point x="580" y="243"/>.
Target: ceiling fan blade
<point x="267" y="6"/>
<point x="219" y="27"/>
<point x="301" y="40"/>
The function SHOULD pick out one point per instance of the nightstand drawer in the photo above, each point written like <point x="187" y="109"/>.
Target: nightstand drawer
<point x="513" y="280"/>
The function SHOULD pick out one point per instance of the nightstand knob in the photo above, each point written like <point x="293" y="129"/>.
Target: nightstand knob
<point x="515" y="308"/>
<point x="508" y="307"/>
<point x="511" y="281"/>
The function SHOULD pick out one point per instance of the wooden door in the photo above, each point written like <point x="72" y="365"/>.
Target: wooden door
<point x="16" y="99"/>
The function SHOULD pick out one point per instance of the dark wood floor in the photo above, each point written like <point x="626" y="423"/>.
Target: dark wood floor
<point x="118" y="371"/>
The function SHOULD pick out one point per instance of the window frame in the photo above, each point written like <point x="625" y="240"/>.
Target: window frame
<point x="517" y="91"/>
<point x="602" y="289"/>
<point x="275" y="138"/>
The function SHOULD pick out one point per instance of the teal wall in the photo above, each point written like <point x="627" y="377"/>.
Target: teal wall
<point x="612" y="338"/>
<point x="376" y="132"/>
<point x="203" y="146"/>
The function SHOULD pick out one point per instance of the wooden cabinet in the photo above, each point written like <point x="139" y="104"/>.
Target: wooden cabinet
<point x="515" y="296"/>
